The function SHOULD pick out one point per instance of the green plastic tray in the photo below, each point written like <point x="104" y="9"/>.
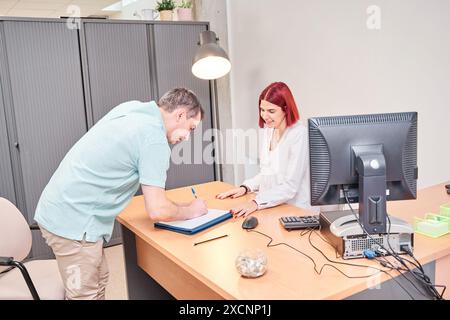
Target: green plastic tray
<point x="445" y="210"/>
<point x="433" y="225"/>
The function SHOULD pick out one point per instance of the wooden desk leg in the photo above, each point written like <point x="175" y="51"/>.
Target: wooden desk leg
<point x="443" y="275"/>
<point x="140" y="285"/>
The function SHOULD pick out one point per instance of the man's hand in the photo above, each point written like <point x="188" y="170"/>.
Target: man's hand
<point x="197" y="208"/>
<point x="159" y="208"/>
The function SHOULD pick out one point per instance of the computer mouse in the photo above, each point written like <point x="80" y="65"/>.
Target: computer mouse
<point x="250" y="223"/>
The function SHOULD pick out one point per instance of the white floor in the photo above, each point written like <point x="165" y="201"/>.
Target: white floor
<point x="117" y="288"/>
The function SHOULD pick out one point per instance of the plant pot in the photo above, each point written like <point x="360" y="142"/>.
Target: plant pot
<point x="165" y="15"/>
<point x="184" y="14"/>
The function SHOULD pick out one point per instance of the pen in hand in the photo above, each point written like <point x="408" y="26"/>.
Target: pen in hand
<point x="193" y="192"/>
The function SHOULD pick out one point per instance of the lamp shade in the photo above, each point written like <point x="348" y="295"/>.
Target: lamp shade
<point x="210" y="61"/>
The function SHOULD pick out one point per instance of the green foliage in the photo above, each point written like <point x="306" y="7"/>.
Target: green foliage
<point x="165" y="5"/>
<point x="185" y="4"/>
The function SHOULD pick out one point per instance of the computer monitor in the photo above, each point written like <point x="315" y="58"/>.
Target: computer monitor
<point x="368" y="158"/>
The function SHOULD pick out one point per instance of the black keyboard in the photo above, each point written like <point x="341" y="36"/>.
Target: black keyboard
<point x="297" y="222"/>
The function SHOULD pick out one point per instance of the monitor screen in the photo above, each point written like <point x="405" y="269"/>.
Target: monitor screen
<point x="338" y="146"/>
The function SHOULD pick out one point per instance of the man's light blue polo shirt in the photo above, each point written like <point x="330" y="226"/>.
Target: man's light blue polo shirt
<point x="100" y="174"/>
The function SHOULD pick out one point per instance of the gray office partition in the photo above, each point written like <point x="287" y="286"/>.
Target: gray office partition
<point x="10" y="129"/>
<point x="6" y="176"/>
<point x="48" y="101"/>
<point x="118" y="64"/>
<point x="175" y="47"/>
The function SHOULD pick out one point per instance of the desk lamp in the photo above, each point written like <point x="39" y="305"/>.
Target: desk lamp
<point x="210" y="61"/>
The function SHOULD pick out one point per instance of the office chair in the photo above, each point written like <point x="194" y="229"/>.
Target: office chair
<point x="36" y="279"/>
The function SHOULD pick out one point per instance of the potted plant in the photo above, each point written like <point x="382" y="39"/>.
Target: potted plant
<point x="165" y="8"/>
<point x="184" y="11"/>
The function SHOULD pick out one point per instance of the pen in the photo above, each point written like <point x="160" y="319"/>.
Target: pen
<point x="225" y="235"/>
<point x="193" y="192"/>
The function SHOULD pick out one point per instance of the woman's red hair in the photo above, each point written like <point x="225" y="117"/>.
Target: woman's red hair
<point x="279" y="94"/>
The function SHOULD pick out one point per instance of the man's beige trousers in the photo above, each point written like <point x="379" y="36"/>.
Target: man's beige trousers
<point x="82" y="265"/>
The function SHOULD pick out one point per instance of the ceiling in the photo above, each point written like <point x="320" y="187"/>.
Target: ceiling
<point x="53" y="8"/>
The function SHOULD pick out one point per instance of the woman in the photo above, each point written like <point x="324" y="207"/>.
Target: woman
<point x="284" y="169"/>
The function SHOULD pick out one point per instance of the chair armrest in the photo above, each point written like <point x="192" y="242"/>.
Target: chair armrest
<point x="6" y="261"/>
<point x="9" y="262"/>
<point x="34" y="226"/>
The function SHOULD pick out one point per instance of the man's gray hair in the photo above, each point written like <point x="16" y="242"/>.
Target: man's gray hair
<point x="181" y="98"/>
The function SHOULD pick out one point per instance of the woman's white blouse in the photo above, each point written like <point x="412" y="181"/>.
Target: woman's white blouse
<point x="284" y="171"/>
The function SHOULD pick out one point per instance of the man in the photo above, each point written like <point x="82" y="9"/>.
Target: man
<point x="98" y="177"/>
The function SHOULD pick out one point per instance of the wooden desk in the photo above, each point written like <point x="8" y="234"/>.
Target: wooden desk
<point x="175" y="268"/>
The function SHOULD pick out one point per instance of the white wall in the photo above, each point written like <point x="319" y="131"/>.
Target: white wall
<point x="127" y="12"/>
<point x="335" y="65"/>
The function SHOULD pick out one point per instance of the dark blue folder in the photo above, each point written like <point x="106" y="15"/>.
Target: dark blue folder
<point x="199" y="228"/>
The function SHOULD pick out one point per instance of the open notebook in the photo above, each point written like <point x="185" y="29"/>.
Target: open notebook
<point x="195" y="225"/>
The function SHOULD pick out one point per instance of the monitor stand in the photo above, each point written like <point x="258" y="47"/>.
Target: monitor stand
<point x="370" y="166"/>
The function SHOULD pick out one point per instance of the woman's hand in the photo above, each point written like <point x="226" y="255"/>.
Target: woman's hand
<point x="233" y="193"/>
<point x="244" y="209"/>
